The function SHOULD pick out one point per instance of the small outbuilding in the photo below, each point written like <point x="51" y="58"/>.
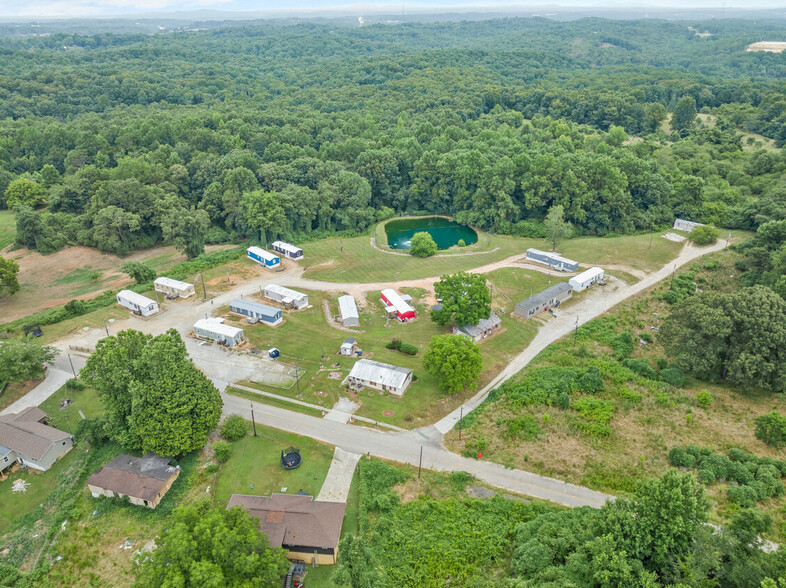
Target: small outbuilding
<point x="144" y="480"/>
<point x="349" y="311"/>
<point x="287" y="249"/>
<point x="392" y="299"/>
<point x="349" y="346"/>
<point x="215" y="329"/>
<point x="137" y="303"/>
<point x="554" y="260"/>
<point x="264" y="258"/>
<point x="287" y="297"/>
<point x="379" y="376"/>
<point x="586" y="279"/>
<point x="686" y="225"/>
<point x="484" y="328"/>
<point x="174" y="288"/>
<point x="549" y="298"/>
<point x="27" y="439"/>
<point x="256" y="312"/>
<point x="307" y="529"/>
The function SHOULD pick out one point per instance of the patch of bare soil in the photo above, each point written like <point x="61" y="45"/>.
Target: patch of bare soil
<point x="767" y="46"/>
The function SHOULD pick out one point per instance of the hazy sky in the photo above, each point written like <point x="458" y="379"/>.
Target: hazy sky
<point x="74" y="8"/>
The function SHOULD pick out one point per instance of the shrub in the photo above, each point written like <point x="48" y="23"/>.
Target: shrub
<point x="703" y="235"/>
<point x="681" y="458"/>
<point x="693" y="450"/>
<point x="563" y="400"/>
<point x="91" y="430"/>
<point x="75" y="307"/>
<point x="704" y="399"/>
<point x="210" y="468"/>
<point x="74" y="384"/>
<point x="234" y="428"/>
<point x="422" y="245"/>
<point x="524" y="426"/>
<point x="706" y="475"/>
<point x="591" y="381"/>
<point x="647" y="337"/>
<point x="394" y="344"/>
<point x="462" y="243"/>
<point x="771" y="429"/>
<point x="671" y="297"/>
<point x="641" y="367"/>
<point x="622" y="345"/>
<point x="719" y="464"/>
<point x="745" y="496"/>
<point x="661" y="363"/>
<point x="408" y="348"/>
<point x="673" y="376"/>
<point x="460" y="479"/>
<point x="222" y="451"/>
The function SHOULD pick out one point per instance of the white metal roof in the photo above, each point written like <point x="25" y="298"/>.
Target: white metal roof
<point x="286" y="292"/>
<point x="286" y="246"/>
<point x="134" y="298"/>
<point x="588" y="275"/>
<point x="554" y="256"/>
<point x="396" y="301"/>
<point x="218" y="327"/>
<point x="380" y="373"/>
<point x="170" y="283"/>
<point x="347" y="307"/>
<point x="262" y="253"/>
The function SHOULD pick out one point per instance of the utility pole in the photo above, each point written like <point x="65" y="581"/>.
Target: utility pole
<point x="228" y="280"/>
<point x="341" y="242"/>
<point x="576" y="332"/>
<point x="728" y="238"/>
<point x="650" y="247"/>
<point x="420" y="463"/>
<point x="671" y="284"/>
<point x="73" y="371"/>
<point x="460" y="419"/>
<point x="106" y="326"/>
<point x="204" y="288"/>
<point x="253" y="422"/>
<point x="297" y="378"/>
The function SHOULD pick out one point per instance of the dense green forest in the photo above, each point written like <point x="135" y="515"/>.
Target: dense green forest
<point x="124" y="141"/>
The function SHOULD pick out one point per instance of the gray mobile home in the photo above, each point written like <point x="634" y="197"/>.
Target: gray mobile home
<point x="256" y="311"/>
<point x="549" y="298"/>
<point x="554" y="260"/>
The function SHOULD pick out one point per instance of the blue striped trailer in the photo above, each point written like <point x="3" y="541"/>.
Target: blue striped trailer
<point x="265" y="258"/>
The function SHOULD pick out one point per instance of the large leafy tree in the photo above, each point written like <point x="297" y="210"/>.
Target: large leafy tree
<point x="465" y="299"/>
<point x="209" y="546"/>
<point x="556" y="225"/>
<point x="24" y="359"/>
<point x="154" y="397"/>
<point x="455" y="360"/>
<point x="263" y="212"/>
<point x="186" y="229"/>
<point x="140" y="272"/>
<point x="25" y="191"/>
<point x="684" y="113"/>
<point x="739" y="336"/>
<point x="9" y="284"/>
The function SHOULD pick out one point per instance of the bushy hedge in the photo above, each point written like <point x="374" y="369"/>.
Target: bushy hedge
<point x="673" y="376"/>
<point x="403" y="347"/>
<point x="234" y="428"/>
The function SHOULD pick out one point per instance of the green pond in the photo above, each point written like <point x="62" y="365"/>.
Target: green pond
<point x="445" y="232"/>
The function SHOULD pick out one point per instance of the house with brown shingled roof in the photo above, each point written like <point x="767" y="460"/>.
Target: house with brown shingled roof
<point x="144" y="480"/>
<point x="26" y="438"/>
<point x="307" y="529"/>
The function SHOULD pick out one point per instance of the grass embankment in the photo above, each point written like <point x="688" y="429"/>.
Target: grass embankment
<point x="306" y="335"/>
<point x="7" y="228"/>
<point x="612" y="438"/>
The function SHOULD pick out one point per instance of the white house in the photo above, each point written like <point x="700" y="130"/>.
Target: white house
<point x="380" y="376"/>
<point x="586" y="279"/>
<point x="349" y="311"/>
<point x="215" y="329"/>
<point x="349" y="346"/>
<point x="137" y="303"/>
<point x="289" y="298"/>
<point x="174" y="288"/>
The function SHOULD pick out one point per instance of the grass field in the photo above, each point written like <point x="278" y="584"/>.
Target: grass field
<point x="633" y="251"/>
<point x="7" y="228"/>
<point x="66" y="418"/>
<point x="307" y="335"/>
<point x="255" y="461"/>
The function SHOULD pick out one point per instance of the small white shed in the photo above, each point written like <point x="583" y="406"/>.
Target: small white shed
<point x="586" y="279"/>
<point x="349" y="346"/>
<point x="137" y="303"/>
<point x="349" y="311"/>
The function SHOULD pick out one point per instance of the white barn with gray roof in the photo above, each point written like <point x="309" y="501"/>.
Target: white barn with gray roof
<point x="349" y="311"/>
<point x="379" y="376"/>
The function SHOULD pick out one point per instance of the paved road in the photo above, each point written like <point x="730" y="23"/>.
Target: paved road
<point x="406" y="448"/>
<point x="58" y="373"/>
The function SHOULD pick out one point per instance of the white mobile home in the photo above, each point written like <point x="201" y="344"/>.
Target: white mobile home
<point x="349" y="311"/>
<point x="174" y="288"/>
<point x="586" y="279"/>
<point x="380" y="376"/>
<point x="289" y="298"/>
<point x="215" y="329"/>
<point x="287" y="249"/>
<point x="554" y="260"/>
<point x="137" y="303"/>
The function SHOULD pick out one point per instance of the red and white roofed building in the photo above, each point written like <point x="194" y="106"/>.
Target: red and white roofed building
<point x="393" y="299"/>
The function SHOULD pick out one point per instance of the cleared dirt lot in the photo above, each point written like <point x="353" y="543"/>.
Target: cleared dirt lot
<point x="768" y="46"/>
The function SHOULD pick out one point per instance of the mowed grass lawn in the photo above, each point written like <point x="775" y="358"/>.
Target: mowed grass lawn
<point x="257" y="461"/>
<point x="85" y="400"/>
<point x="7" y="228"/>
<point x="305" y="334"/>
<point x="646" y="252"/>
